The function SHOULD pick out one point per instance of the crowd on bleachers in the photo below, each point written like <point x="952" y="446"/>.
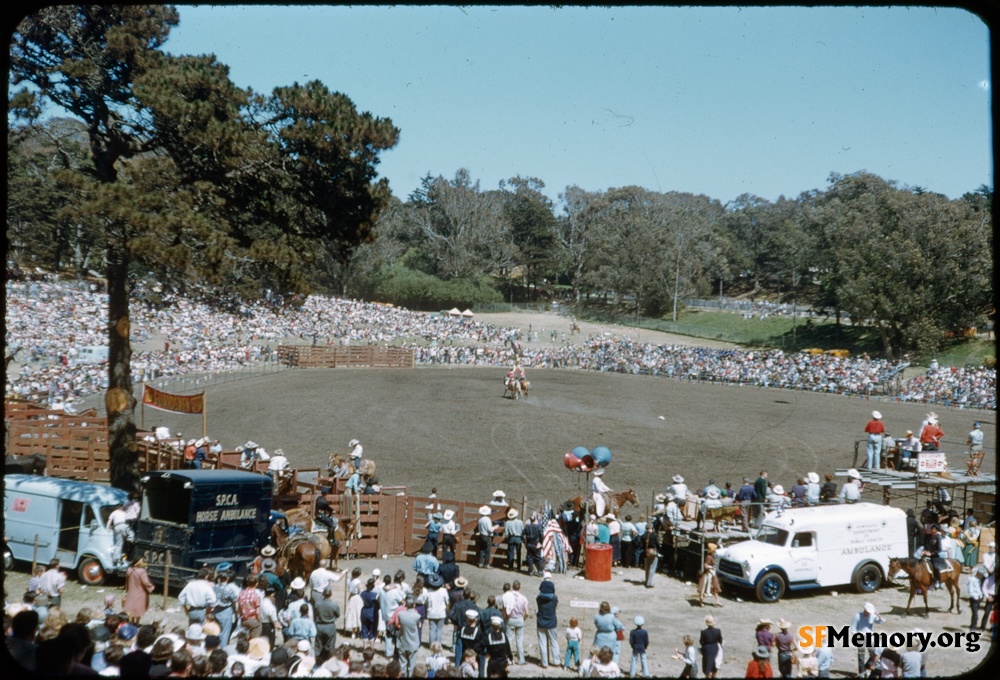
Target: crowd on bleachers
<point x="48" y="322"/>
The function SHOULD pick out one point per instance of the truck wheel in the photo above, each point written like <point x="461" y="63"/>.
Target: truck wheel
<point x="770" y="587"/>
<point x="90" y="571"/>
<point x="868" y="579"/>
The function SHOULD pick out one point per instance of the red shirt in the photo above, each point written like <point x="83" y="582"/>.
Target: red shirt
<point x="754" y="669"/>
<point x="930" y="433"/>
<point x="875" y="426"/>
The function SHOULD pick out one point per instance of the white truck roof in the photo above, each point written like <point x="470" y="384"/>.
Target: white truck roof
<point x="830" y="514"/>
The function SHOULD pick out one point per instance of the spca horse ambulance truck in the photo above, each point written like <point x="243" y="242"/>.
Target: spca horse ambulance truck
<point x="200" y="518"/>
<point x="816" y="547"/>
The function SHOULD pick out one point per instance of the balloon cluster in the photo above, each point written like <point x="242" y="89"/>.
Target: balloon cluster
<point x="583" y="459"/>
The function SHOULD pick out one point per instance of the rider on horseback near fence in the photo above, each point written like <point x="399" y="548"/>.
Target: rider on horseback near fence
<point x="601" y="493"/>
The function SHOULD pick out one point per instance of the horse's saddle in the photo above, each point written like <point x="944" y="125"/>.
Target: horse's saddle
<point x="940" y="564"/>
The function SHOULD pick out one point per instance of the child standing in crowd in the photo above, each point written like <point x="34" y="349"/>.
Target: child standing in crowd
<point x="470" y="665"/>
<point x="573" y="636"/>
<point x="638" y="639"/>
<point x="689" y="656"/>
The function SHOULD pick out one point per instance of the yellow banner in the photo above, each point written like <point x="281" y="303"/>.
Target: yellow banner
<point x="176" y="403"/>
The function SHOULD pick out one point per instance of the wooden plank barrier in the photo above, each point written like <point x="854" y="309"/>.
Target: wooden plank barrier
<point x="363" y="356"/>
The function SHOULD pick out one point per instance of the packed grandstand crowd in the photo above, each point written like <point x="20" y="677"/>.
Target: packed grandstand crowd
<point x="198" y="339"/>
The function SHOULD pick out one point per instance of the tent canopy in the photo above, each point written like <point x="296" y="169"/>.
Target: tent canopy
<point x="455" y="311"/>
<point x="468" y="313"/>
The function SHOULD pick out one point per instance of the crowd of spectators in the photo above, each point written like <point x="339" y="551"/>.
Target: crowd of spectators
<point x="48" y="322"/>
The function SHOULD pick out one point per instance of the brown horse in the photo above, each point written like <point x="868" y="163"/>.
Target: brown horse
<point x="618" y="501"/>
<point x="332" y="546"/>
<point x="574" y="328"/>
<point x="303" y="551"/>
<point x="723" y="515"/>
<point x="922" y="578"/>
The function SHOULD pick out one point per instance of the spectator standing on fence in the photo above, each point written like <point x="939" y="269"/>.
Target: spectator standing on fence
<point x="484" y="537"/>
<point x="448" y="531"/>
<point x="513" y="530"/>
<point x="875" y="429"/>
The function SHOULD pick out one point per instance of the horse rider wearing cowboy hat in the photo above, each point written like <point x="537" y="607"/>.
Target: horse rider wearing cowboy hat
<point x="601" y="493"/>
<point x="499" y="499"/>
<point x="356" y="451"/>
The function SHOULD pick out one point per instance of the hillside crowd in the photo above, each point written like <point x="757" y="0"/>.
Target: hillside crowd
<point x="198" y="339"/>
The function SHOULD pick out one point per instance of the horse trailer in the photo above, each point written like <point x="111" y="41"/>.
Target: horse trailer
<point x="197" y="518"/>
<point x="816" y="547"/>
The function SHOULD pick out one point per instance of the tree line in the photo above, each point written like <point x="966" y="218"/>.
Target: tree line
<point x="163" y="168"/>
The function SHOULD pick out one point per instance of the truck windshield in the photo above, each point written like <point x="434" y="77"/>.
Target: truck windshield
<point x="772" y="535"/>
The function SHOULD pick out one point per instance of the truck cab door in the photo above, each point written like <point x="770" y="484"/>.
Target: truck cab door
<point x="804" y="556"/>
<point x="71" y="516"/>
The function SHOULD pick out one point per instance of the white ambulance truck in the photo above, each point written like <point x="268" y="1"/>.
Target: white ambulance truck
<point x="816" y="547"/>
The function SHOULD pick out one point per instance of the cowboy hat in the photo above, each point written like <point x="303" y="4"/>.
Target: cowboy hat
<point x="598" y="472"/>
<point x="512" y="513"/>
<point x="435" y="580"/>
<point x="269" y="564"/>
<point x="499" y="494"/>
<point x="448" y="514"/>
<point x="712" y="493"/>
<point x="876" y="415"/>
<point x="279" y="452"/>
<point x="762" y="652"/>
<point x="678" y="479"/>
<point x="660" y="497"/>
<point x="765" y="622"/>
<point x="251" y="444"/>
<point x="813" y="478"/>
<point x="298" y="583"/>
<point x="353" y="442"/>
<point x="853" y="474"/>
<point x="258" y="648"/>
<point x="784" y="624"/>
<point x="195" y="632"/>
<point x="779" y="490"/>
<point x="484" y="510"/>
<point x="461" y="582"/>
<point x="869" y="608"/>
<point x="267" y="551"/>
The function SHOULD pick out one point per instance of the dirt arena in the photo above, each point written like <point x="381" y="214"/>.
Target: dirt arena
<point x="451" y="429"/>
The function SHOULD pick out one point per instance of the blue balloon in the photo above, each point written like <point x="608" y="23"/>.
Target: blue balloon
<point x="602" y="455"/>
<point x="581" y="451"/>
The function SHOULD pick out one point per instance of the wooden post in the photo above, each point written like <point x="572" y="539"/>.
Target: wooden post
<point x="204" y="415"/>
<point x="166" y="580"/>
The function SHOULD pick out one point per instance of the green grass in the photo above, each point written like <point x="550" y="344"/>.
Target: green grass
<point x="776" y="331"/>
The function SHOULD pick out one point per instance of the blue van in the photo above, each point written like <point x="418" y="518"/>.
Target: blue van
<point x="48" y="518"/>
<point x="201" y="518"/>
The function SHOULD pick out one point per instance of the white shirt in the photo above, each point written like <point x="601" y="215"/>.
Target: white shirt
<point x="680" y="491"/>
<point x="197" y="594"/>
<point x="597" y="485"/>
<point x="319" y="579"/>
<point x="357" y="451"/>
<point x="515" y="604"/>
<point x="117" y="516"/>
<point x="277" y="464"/>
<point x="990" y="561"/>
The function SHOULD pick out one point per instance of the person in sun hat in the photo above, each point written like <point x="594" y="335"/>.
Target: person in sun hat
<point x="784" y="641"/>
<point x="709" y="584"/>
<point x="710" y="641"/>
<point x="512" y="530"/>
<point x="865" y="621"/>
<point x="760" y="664"/>
<point x="485" y="529"/>
<point x="356" y="452"/>
<point x="499" y="499"/>
<point x="812" y="488"/>
<point x="851" y="491"/>
<point x="875" y="429"/>
<point x="600" y="492"/>
<point x="679" y="488"/>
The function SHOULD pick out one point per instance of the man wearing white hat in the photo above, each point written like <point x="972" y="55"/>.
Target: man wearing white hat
<point x="278" y="464"/>
<point x="851" y="491"/>
<point x="512" y="530"/>
<point x="875" y="429"/>
<point x="599" y="491"/>
<point x="484" y="537"/>
<point x="356" y="451"/>
<point x="812" y="489"/>
<point x="679" y="488"/>
<point x="448" y="531"/>
<point x="499" y="499"/>
<point x="864" y="621"/>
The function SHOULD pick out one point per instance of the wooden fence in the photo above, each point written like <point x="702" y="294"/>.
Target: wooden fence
<point x="305" y="356"/>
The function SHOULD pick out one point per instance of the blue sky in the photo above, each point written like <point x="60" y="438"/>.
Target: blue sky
<point x="719" y="101"/>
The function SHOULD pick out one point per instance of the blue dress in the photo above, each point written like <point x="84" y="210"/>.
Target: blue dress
<point x="605" y="635"/>
<point x="369" y="618"/>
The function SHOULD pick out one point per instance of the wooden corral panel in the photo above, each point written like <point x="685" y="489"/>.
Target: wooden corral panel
<point x="391" y="537"/>
<point x="466" y="517"/>
<point x="305" y="356"/>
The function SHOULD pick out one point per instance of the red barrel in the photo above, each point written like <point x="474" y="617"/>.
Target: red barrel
<point x="598" y="565"/>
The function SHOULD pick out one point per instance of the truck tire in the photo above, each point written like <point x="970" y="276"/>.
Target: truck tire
<point x="90" y="572"/>
<point x="868" y="578"/>
<point x="770" y="587"/>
